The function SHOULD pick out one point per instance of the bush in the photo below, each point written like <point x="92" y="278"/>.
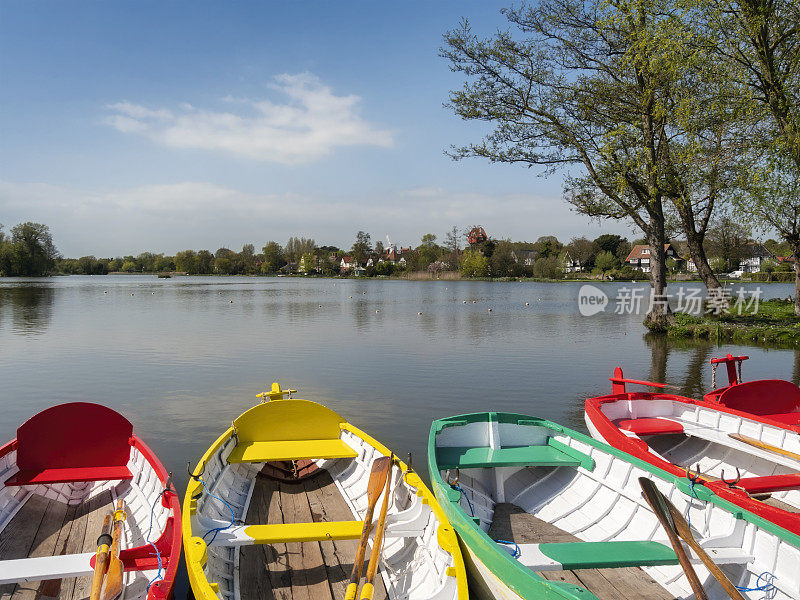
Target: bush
<point x="548" y="268"/>
<point x="474" y="264"/>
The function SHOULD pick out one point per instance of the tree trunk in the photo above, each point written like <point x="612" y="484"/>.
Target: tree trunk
<point x="796" y="256"/>
<point x="698" y="255"/>
<point x="660" y="316"/>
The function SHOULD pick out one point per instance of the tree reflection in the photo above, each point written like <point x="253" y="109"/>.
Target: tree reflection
<point x="31" y="307"/>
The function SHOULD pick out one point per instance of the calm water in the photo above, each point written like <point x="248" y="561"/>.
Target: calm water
<point x="182" y="357"/>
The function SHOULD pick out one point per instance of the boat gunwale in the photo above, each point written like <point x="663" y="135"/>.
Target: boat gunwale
<point x="445" y="535"/>
<point x="520" y="579"/>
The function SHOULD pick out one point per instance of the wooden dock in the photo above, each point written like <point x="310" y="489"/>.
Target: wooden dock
<point x="45" y="527"/>
<point x="298" y="571"/>
<point x="629" y="583"/>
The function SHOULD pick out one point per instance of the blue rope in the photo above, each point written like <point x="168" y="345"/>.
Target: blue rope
<point x="158" y="576"/>
<point x="517" y="551"/>
<point x="216" y="530"/>
<point x="463" y="493"/>
<point x="767" y="586"/>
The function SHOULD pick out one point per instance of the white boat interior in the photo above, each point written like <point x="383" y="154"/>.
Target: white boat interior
<point x="703" y="443"/>
<point x="48" y="532"/>
<point x="529" y="484"/>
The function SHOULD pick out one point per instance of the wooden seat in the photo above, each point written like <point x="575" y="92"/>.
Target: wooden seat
<point x="257" y="452"/>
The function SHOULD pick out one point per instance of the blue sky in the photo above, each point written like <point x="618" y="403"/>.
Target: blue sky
<point x="162" y="126"/>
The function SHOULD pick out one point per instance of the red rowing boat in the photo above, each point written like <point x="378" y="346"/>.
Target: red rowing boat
<point x="741" y="441"/>
<point x="77" y="486"/>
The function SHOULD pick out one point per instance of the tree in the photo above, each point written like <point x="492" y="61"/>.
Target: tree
<point x="246" y="259"/>
<point x="273" y="258"/>
<point x="582" y="250"/>
<point x="296" y="247"/>
<point x="773" y="202"/>
<point x="362" y="247"/>
<point x="605" y="261"/>
<point x="187" y="261"/>
<point x="589" y="84"/>
<point x="474" y="264"/>
<point x="548" y="267"/>
<point x="205" y="262"/>
<point x="308" y="263"/>
<point x="379" y="249"/>
<point x="33" y="252"/>
<point x="128" y="266"/>
<point x="502" y="261"/>
<point x="728" y="239"/>
<point x="452" y="240"/>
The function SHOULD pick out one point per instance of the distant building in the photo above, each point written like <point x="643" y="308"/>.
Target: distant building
<point x="639" y="257"/>
<point x="753" y="257"/>
<point x="524" y="257"/>
<point x="572" y="265"/>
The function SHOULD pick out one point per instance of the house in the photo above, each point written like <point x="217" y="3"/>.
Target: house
<point x="302" y="267"/>
<point x="524" y="257"/>
<point x="639" y="257"/>
<point x="571" y="265"/>
<point x="754" y="256"/>
<point x="690" y="266"/>
<point x="346" y="263"/>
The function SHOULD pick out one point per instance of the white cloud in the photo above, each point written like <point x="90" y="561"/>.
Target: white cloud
<point x="175" y="216"/>
<point x="309" y="124"/>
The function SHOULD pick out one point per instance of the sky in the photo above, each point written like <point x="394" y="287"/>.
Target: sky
<point x="153" y="126"/>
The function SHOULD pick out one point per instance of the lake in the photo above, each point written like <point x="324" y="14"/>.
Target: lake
<point x="182" y="357"/>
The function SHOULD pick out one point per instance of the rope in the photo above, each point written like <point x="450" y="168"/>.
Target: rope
<point x="767" y="586"/>
<point x="517" y="551"/>
<point x="688" y="514"/>
<point x="463" y="493"/>
<point x="714" y="376"/>
<point x="158" y="576"/>
<point x="216" y="530"/>
<point x="739" y="364"/>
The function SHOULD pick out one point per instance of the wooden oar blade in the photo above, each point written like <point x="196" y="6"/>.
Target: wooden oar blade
<point x="685" y="532"/>
<point x="660" y="505"/>
<point x="377" y="479"/>
<point x="377" y="476"/>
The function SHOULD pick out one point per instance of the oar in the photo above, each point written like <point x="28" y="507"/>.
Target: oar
<point x="377" y="477"/>
<point x="763" y="445"/>
<point x="377" y="541"/>
<point x="113" y="583"/>
<point x="101" y="562"/>
<point x="658" y="503"/>
<point x="686" y="533"/>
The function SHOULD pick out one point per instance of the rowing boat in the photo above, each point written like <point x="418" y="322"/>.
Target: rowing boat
<point x="72" y="471"/>
<point x="546" y="512"/>
<point x="748" y="459"/>
<point x="255" y="527"/>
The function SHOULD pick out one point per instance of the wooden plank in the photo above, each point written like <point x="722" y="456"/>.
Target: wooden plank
<point x="44" y="544"/>
<point x="298" y="571"/>
<point x="96" y="510"/>
<point x="18" y="536"/>
<point x="262" y="568"/>
<point x="307" y="569"/>
<point x="327" y="504"/>
<point x="630" y="583"/>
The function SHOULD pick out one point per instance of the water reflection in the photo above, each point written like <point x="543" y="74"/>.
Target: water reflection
<point x="30" y="307"/>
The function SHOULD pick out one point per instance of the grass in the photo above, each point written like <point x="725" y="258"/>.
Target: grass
<point x="775" y="324"/>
